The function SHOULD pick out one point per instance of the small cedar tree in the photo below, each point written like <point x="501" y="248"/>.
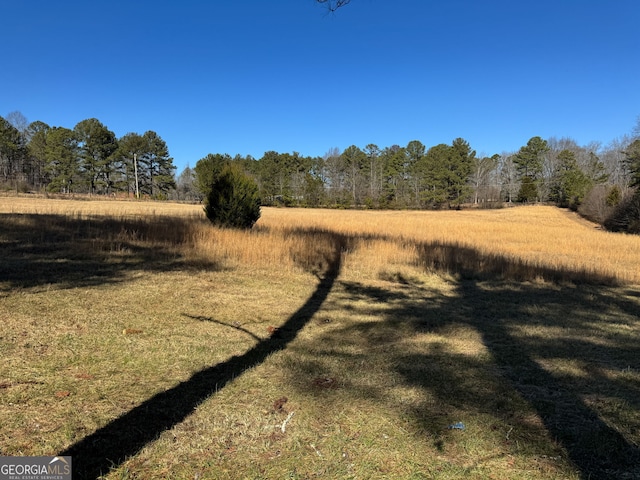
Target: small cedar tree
<point x="233" y="200"/>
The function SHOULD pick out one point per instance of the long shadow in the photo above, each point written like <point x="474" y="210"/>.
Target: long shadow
<point x="201" y="318"/>
<point x="596" y="448"/>
<point x="60" y="251"/>
<point x="109" y="446"/>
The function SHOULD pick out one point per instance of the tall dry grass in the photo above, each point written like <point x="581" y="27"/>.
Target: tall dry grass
<point x="518" y="242"/>
<point x="532" y="240"/>
<point x="539" y="237"/>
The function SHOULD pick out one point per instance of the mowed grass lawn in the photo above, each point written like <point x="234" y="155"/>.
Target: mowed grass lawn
<point x="321" y="344"/>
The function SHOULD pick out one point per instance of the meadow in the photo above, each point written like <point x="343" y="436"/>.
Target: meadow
<point x="489" y="344"/>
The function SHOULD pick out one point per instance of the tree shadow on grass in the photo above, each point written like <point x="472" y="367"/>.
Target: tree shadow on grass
<point x="571" y="320"/>
<point x="566" y="404"/>
<point x="125" y="436"/>
<point x="557" y="342"/>
<point x="59" y="251"/>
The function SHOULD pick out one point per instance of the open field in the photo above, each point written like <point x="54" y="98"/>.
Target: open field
<point x="321" y="344"/>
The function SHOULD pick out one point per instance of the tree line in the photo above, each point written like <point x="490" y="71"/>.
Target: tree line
<point x="86" y="159"/>
<point x="90" y="159"/>
<point x="442" y="176"/>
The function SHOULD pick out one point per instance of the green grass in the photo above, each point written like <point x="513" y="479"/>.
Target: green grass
<point x="542" y="367"/>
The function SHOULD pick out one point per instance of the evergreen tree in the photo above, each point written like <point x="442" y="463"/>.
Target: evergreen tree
<point x="276" y="171"/>
<point x="461" y="160"/>
<point x="233" y="200"/>
<point x="632" y="161"/>
<point x="528" y="191"/>
<point x="614" y="196"/>
<point x="96" y="144"/>
<point x="626" y="215"/>
<point x="595" y="170"/>
<point x="313" y="190"/>
<point x="529" y="162"/>
<point x="393" y="159"/>
<point x="529" y="158"/>
<point x="414" y="168"/>
<point x="446" y="172"/>
<point x="157" y="169"/>
<point x="570" y="183"/>
<point x="434" y="176"/>
<point x="62" y="160"/>
<point x="131" y="147"/>
<point x="207" y="169"/>
<point x="37" y="146"/>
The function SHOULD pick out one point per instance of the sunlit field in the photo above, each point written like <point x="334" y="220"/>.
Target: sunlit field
<point x="544" y="238"/>
<point x="148" y="344"/>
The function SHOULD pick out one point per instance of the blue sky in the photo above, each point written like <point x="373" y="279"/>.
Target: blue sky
<point x="248" y="76"/>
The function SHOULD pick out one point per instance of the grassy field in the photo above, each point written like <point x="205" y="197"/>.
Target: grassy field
<point x="321" y="344"/>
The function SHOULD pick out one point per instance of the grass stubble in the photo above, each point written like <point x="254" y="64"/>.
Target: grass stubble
<point x="520" y="323"/>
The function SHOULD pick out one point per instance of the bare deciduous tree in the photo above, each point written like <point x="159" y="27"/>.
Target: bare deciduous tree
<point x="19" y="121"/>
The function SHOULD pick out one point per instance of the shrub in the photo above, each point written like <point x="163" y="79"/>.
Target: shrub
<point x="626" y="216"/>
<point x="233" y="200"/>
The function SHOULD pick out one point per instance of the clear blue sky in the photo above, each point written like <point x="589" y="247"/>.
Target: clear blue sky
<point x="247" y="76"/>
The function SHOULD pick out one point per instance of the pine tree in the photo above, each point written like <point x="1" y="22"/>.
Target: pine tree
<point x="571" y="184"/>
<point x="62" y="164"/>
<point x="529" y="161"/>
<point x="632" y="161"/>
<point x="96" y="145"/>
<point x="157" y="172"/>
<point x="528" y="191"/>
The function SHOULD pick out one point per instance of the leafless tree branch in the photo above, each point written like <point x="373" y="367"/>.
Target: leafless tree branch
<point x="333" y="5"/>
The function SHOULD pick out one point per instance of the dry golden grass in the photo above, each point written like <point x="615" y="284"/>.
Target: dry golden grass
<point x="538" y="236"/>
<point x="113" y="208"/>
<point x="150" y="345"/>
